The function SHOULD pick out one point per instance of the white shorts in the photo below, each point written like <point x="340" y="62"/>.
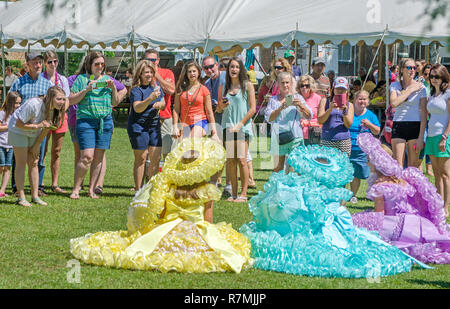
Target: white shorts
<point x="20" y="140"/>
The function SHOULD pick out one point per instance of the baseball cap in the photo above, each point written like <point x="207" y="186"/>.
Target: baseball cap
<point x="289" y="53"/>
<point x="340" y="82"/>
<point x="33" y="55"/>
<point x="318" y="60"/>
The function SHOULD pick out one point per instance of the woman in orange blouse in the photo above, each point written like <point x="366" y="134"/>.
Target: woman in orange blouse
<point x="192" y="107"/>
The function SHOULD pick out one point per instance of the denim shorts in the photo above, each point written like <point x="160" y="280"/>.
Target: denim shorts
<point x="88" y="133"/>
<point x="73" y="134"/>
<point x="150" y="137"/>
<point x="6" y="156"/>
<point x="358" y="159"/>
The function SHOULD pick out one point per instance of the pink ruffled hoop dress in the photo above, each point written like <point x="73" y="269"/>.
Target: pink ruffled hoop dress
<point x="414" y="219"/>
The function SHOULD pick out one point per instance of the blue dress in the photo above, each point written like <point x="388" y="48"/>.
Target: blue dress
<point x="301" y="228"/>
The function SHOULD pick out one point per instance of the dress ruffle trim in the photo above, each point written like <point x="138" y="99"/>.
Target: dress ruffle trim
<point x="211" y="159"/>
<point x="181" y="250"/>
<point x="305" y="160"/>
<point x="427" y="200"/>
<point x="311" y="255"/>
<point x="390" y="191"/>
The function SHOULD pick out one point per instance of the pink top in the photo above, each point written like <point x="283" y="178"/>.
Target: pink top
<point x="313" y="101"/>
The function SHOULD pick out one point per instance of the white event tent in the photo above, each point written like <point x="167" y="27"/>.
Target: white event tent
<point x="206" y="24"/>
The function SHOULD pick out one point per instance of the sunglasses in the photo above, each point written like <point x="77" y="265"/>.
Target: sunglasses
<point x="305" y="86"/>
<point x="208" y="67"/>
<point x="278" y="67"/>
<point x="411" y="68"/>
<point x="52" y="61"/>
<point x="99" y="64"/>
<point x="435" y="76"/>
<point x="151" y="59"/>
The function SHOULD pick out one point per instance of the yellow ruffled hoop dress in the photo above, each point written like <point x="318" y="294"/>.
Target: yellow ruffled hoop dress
<point x="166" y="233"/>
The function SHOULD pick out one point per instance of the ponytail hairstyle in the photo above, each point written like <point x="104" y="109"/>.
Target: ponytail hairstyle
<point x="8" y="105"/>
<point x="50" y="54"/>
<point x="53" y="115"/>
<point x="402" y="66"/>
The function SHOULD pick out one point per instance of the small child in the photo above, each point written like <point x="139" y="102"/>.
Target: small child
<point x="12" y="102"/>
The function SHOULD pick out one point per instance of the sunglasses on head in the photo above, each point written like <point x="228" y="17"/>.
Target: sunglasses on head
<point x="208" y="67"/>
<point x="278" y="67"/>
<point x="434" y="76"/>
<point x="410" y="67"/>
<point x="151" y="59"/>
<point x="52" y="61"/>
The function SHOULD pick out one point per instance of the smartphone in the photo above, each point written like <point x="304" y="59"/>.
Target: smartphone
<point x="289" y="100"/>
<point x="100" y="85"/>
<point x="340" y="99"/>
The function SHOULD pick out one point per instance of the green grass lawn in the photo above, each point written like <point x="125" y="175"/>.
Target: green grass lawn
<point x="34" y="243"/>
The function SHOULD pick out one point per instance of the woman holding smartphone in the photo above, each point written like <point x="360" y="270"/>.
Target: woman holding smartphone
<point x="336" y="116"/>
<point x="283" y="112"/>
<point x="409" y="98"/>
<point x="238" y="109"/>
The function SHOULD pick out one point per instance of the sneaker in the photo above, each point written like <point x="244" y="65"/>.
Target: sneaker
<point x="354" y="200"/>
<point x="228" y="189"/>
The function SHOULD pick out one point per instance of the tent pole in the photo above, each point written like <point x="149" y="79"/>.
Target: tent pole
<point x="66" y="55"/>
<point x="387" y="75"/>
<point x="374" y="57"/>
<point x="3" y="63"/>
<point x="310" y="55"/>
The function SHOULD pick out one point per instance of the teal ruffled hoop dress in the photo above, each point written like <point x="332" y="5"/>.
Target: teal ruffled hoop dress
<point x="301" y="228"/>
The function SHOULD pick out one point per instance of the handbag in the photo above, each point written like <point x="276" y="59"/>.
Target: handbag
<point x="314" y="134"/>
<point x="287" y="136"/>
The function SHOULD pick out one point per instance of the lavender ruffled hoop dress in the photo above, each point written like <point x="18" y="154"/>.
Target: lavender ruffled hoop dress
<point x="414" y="219"/>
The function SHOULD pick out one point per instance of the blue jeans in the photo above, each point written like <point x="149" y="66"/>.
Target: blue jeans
<point x="41" y="167"/>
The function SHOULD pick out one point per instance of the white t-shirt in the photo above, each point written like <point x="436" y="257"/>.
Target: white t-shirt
<point x="10" y="79"/>
<point x="438" y="108"/>
<point x="410" y="109"/>
<point x="4" y="134"/>
<point x="30" y="112"/>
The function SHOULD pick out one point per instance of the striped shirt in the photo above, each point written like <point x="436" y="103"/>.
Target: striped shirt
<point x="31" y="88"/>
<point x="96" y="104"/>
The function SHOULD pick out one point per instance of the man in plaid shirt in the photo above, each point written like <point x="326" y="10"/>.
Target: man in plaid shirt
<point x="32" y="85"/>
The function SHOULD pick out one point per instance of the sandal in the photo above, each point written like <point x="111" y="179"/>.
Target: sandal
<point x="57" y="189"/>
<point x="231" y="198"/>
<point x="38" y="201"/>
<point x="3" y="195"/>
<point x="75" y="196"/>
<point x="98" y="190"/>
<point x="23" y="202"/>
<point x="241" y="199"/>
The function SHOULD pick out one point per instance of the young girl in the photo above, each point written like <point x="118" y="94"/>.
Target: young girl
<point x="28" y="126"/>
<point x="12" y="102"/>
<point x="238" y="103"/>
<point x="192" y="105"/>
<point x="409" y="212"/>
<point x="50" y="73"/>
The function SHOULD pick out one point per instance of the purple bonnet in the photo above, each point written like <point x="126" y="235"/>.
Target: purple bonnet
<point x="382" y="161"/>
